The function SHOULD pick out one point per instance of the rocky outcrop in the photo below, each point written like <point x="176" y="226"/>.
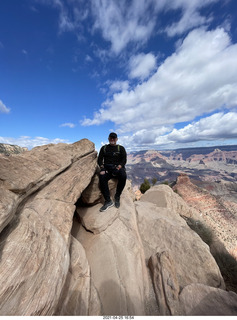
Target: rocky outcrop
<point x="218" y="214"/>
<point x="39" y="189"/>
<point x="201" y="300"/>
<point x="61" y="256"/>
<point x="115" y="254"/>
<point x="8" y="149"/>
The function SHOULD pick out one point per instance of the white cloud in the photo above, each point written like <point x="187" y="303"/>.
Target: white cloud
<point x="3" y="108"/>
<point x="118" y="86"/>
<point x="68" y="124"/>
<point x="142" y="65"/>
<point x="200" y="77"/>
<point x="29" y="142"/>
<point x="147" y="136"/>
<point x="191" y="17"/>
<point x="122" y="23"/>
<point x="218" y="126"/>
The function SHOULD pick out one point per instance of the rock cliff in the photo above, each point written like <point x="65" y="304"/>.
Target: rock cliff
<point x="61" y="256"/>
<point x="216" y="211"/>
<point x="210" y="165"/>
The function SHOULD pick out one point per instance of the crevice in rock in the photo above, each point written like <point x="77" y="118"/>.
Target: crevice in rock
<point x="124" y="222"/>
<point x="78" y="219"/>
<point x="34" y="188"/>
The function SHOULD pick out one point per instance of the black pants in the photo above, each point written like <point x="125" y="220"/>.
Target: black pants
<point x="104" y="187"/>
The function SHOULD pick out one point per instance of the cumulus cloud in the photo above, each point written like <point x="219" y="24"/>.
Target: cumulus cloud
<point x="29" y="142"/>
<point x="3" y="108"/>
<point x="216" y="128"/>
<point x="198" y="78"/>
<point x="141" y="65"/>
<point x="219" y="126"/>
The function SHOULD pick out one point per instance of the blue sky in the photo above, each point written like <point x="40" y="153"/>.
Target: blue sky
<point x="160" y="73"/>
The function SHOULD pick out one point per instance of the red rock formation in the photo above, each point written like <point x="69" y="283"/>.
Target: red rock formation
<point x="218" y="214"/>
<point x="216" y="155"/>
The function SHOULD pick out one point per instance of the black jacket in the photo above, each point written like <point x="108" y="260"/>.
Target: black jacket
<point x="112" y="155"/>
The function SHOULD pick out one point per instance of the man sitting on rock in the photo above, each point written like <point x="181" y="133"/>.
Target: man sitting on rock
<point x="112" y="159"/>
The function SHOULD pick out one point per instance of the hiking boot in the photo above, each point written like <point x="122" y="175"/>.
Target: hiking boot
<point x="117" y="202"/>
<point x="107" y="205"/>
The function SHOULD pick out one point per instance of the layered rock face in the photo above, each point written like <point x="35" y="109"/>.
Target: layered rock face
<point x="38" y="191"/>
<point x="219" y="214"/>
<point x="59" y="258"/>
<point x="215" y="167"/>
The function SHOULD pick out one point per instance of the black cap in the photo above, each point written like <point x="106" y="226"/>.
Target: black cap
<point x="113" y="135"/>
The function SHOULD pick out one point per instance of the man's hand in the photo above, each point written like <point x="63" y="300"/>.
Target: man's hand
<point x="119" y="167"/>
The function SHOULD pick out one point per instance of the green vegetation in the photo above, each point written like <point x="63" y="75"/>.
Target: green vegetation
<point x="145" y="186"/>
<point x="165" y="182"/>
<point x="225" y="261"/>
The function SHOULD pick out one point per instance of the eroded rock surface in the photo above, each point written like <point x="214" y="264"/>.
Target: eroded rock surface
<point x="201" y="300"/>
<point x="115" y="254"/>
<point x="44" y="185"/>
<point x="217" y="213"/>
<point x="56" y="259"/>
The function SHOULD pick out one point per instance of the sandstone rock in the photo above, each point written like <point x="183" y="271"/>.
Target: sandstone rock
<point x="22" y="175"/>
<point x="33" y="268"/>
<point x="201" y="300"/>
<point x="35" y="244"/>
<point x="164" y="230"/>
<point x="165" y="282"/>
<point x="8" y="204"/>
<point x="164" y="197"/>
<point x="91" y="218"/>
<point x="117" y="262"/>
<point x="96" y="221"/>
<point x="92" y="194"/>
<point x="55" y="261"/>
<point x="33" y="169"/>
<point x="75" y="297"/>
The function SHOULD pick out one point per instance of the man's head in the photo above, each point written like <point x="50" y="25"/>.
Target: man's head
<point x="113" y="138"/>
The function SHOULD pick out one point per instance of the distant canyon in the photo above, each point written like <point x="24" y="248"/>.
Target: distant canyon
<point x="204" y="177"/>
